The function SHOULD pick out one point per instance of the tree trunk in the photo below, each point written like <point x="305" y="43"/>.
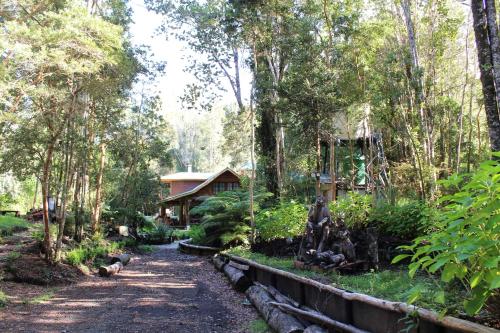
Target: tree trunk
<point x="491" y="19"/>
<point x="45" y="193"/>
<point x="318" y="161"/>
<point x="98" y="190"/>
<point x="123" y="258"/>
<point x="484" y="54"/>
<point x="464" y="88"/>
<point x="237" y="278"/>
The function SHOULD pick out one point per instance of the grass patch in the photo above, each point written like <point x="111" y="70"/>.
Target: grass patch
<point x="3" y="299"/>
<point x="92" y="249"/>
<point x="13" y="255"/>
<point x="145" y="248"/>
<point x="393" y="285"/>
<point x="259" y="326"/>
<point x="10" y="224"/>
<point x="40" y="298"/>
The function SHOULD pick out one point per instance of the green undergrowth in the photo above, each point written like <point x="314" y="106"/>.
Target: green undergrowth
<point x="145" y="249"/>
<point x="91" y="250"/>
<point x="259" y="326"/>
<point x="40" y="298"/>
<point x="11" y="224"/>
<point x="393" y="284"/>
<point x="3" y="299"/>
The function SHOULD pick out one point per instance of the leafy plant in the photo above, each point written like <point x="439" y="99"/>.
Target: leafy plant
<point x="145" y="248"/>
<point x="405" y="219"/>
<point x="467" y="245"/>
<point x="285" y="220"/>
<point x="91" y="249"/>
<point x="225" y="219"/>
<point x="3" y="299"/>
<point x="354" y="208"/>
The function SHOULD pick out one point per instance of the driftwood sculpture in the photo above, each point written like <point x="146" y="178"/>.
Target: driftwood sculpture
<point x="327" y="243"/>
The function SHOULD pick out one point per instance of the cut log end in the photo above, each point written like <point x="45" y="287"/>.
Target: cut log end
<point x="107" y="271"/>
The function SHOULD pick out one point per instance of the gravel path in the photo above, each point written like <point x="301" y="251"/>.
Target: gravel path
<point x="163" y="292"/>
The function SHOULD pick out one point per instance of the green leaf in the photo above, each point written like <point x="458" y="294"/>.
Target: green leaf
<point x="399" y="258"/>
<point x="440" y="297"/>
<point x="475" y="304"/>
<point x="495" y="283"/>
<point x="476" y="278"/>
<point x="438" y="264"/>
<point x="414" y="295"/>
<point x="449" y="272"/>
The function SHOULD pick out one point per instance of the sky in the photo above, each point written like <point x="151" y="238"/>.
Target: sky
<point x="171" y="85"/>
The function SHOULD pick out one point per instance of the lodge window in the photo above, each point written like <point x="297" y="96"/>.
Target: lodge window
<point x="233" y="186"/>
<point x="219" y="187"/>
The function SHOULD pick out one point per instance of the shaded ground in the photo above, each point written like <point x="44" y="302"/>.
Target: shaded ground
<point x="163" y="292"/>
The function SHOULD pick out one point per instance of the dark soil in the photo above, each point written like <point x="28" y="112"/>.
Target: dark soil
<point x="163" y="292"/>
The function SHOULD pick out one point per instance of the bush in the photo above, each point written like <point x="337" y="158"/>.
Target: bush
<point x="354" y="208"/>
<point x="285" y="220"/>
<point x="91" y="249"/>
<point x="160" y="234"/>
<point x="406" y="219"/>
<point x="225" y="219"/>
<point x="466" y="245"/>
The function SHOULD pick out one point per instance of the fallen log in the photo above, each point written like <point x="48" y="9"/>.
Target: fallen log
<point x="123" y="258"/>
<point x="276" y="319"/>
<point x="317" y="318"/>
<point x="280" y="297"/>
<point x="241" y="267"/>
<point x="111" y="269"/>
<point x="218" y="262"/>
<point x="315" y="329"/>
<point x="449" y="322"/>
<point x="239" y="281"/>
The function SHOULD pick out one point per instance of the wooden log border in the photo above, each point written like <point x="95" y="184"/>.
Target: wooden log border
<point x="185" y="246"/>
<point x="361" y="311"/>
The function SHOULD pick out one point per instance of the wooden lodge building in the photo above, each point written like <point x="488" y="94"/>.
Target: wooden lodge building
<point x="188" y="189"/>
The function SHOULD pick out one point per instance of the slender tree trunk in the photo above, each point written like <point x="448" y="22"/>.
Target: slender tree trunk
<point x="464" y="88"/>
<point x="484" y="53"/>
<point x="318" y="160"/>
<point x="36" y="193"/>
<point x="491" y="18"/>
<point x="45" y="193"/>
<point x="98" y="189"/>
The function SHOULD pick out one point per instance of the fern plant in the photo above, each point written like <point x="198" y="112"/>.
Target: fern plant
<point x="225" y="217"/>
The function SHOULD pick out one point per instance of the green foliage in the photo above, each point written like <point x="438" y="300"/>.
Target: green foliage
<point x="11" y="224"/>
<point x="12" y="256"/>
<point x="393" y="285"/>
<point x="225" y="217"/>
<point x="259" y="326"/>
<point x="354" y="208"/>
<point x="285" y="220"/>
<point x="466" y="246"/>
<point x="145" y="249"/>
<point x="3" y="299"/>
<point x="41" y="298"/>
<point x="405" y="219"/>
<point x="160" y="234"/>
<point x="6" y="200"/>
<point x="91" y="249"/>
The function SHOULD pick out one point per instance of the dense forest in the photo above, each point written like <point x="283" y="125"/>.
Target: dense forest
<point x="396" y="102"/>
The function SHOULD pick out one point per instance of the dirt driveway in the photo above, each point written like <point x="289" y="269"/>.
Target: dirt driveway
<point x="163" y="292"/>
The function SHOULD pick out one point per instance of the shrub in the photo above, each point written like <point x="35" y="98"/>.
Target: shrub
<point x="225" y="217"/>
<point x="285" y="220"/>
<point x="466" y="246"/>
<point x="406" y="219"/>
<point x="160" y="234"/>
<point x="89" y="250"/>
<point x="3" y="299"/>
<point x="354" y="208"/>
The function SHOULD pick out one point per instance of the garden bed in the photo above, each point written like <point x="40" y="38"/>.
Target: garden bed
<point x="356" y="309"/>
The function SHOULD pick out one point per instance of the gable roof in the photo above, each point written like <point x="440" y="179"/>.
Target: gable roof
<point x="199" y="187"/>
<point x="187" y="176"/>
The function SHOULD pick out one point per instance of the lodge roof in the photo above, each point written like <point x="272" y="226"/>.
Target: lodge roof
<point x="199" y="187"/>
